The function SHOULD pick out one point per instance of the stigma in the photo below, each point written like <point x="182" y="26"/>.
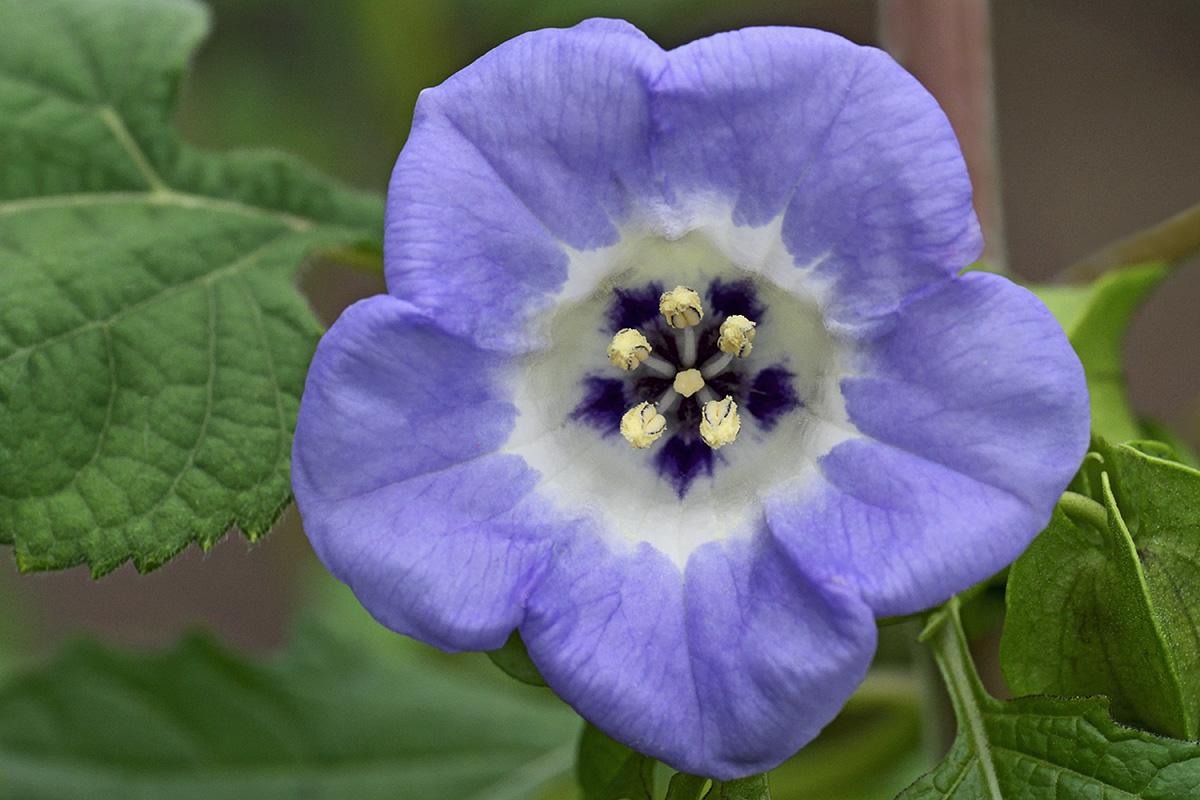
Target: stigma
<point x="688" y="382"/>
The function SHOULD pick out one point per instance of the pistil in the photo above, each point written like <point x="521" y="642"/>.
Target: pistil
<point x="688" y="382"/>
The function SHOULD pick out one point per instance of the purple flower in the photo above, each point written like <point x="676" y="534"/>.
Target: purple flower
<point x="865" y="433"/>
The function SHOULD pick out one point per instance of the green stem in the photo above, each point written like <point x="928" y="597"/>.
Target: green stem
<point x="946" y="639"/>
<point x="1172" y="240"/>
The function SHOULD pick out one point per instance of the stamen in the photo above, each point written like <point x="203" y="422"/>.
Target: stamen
<point x="659" y="366"/>
<point x="642" y="425"/>
<point x="681" y="306"/>
<point x="687" y="346"/>
<point x="688" y="382"/>
<point x="628" y="349"/>
<point x="737" y="333"/>
<point x="719" y="422"/>
<point x="668" y="400"/>
<point x="716" y="365"/>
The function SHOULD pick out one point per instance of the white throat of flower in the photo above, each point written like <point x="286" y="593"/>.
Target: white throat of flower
<point x="614" y="479"/>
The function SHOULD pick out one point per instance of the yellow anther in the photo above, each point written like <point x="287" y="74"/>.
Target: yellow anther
<point x="719" y="422"/>
<point x="681" y="306"/>
<point x="688" y="382"/>
<point x="642" y="425"/>
<point x="628" y="349"/>
<point x="737" y="333"/>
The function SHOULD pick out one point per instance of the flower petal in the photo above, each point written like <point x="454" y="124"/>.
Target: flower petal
<point x="840" y="140"/>
<point x="976" y="409"/>
<point x="724" y="674"/>
<point x="540" y="143"/>
<point x="392" y="477"/>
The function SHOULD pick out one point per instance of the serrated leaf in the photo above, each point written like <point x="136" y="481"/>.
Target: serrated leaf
<point x="152" y="345"/>
<point x="1170" y="445"/>
<point x="1044" y="748"/>
<point x="326" y="720"/>
<point x="608" y="770"/>
<point x="1096" y="317"/>
<point x="1109" y="602"/>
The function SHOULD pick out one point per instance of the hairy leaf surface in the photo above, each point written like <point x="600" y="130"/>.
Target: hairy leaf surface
<point x="152" y="345"/>
<point x="1110" y="603"/>
<point x="1044" y="748"/>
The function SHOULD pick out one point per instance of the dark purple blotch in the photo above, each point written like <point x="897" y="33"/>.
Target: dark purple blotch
<point x="649" y="388"/>
<point x="683" y="458"/>
<point x="603" y="404"/>
<point x="772" y="394"/>
<point x="726" y="298"/>
<point x="633" y="308"/>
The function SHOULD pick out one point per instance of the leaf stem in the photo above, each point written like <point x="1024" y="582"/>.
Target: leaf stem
<point x="945" y="637"/>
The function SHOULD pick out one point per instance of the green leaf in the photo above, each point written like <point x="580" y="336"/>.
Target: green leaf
<point x="751" y="788"/>
<point x="152" y="345"/>
<point x="326" y="720"/>
<point x="1170" y="446"/>
<point x="1043" y="748"/>
<point x="685" y="787"/>
<point x="1095" y="318"/>
<point x="689" y="787"/>
<point x="514" y="659"/>
<point x="608" y="770"/>
<point x="1107" y="599"/>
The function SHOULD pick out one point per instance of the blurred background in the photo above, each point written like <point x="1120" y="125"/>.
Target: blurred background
<point x="1098" y="108"/>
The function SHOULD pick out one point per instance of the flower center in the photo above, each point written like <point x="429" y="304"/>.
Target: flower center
<point x="782" y="374"/>
<point x="683" y="311"/>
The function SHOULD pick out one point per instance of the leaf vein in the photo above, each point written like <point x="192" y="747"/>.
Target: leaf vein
<point x="167" y="197"/>
<point x="207" y="278"/>
<point x="272" y="372"/>
<point x="108" y="115"/>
